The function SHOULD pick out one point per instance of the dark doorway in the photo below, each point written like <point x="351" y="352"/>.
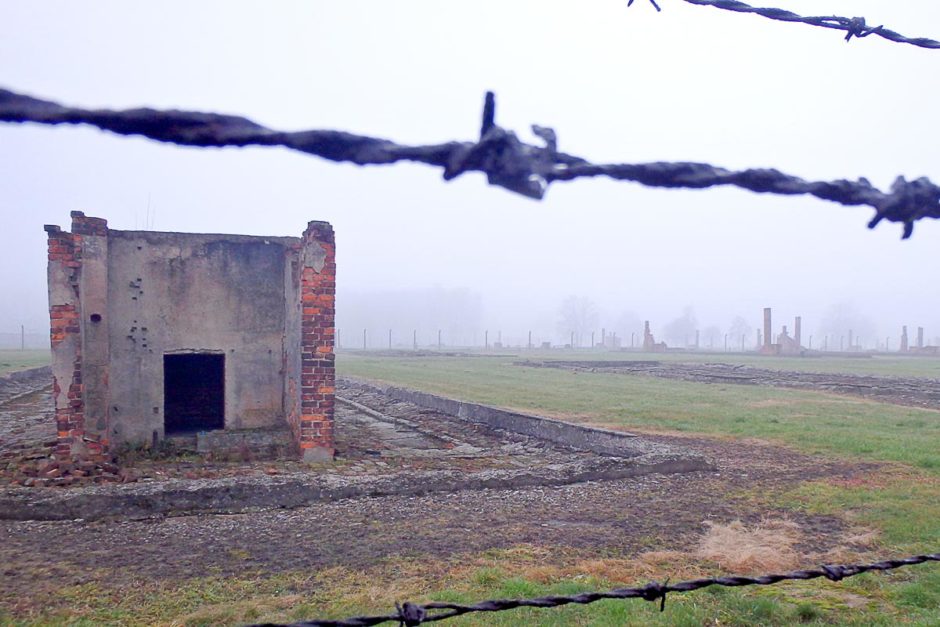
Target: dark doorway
<point x="193" y="392"/>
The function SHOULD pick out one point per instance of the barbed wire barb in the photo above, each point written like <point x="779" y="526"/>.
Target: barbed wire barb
<point x="412" y="615"/>
<point x="653" y="2"/>
<point x="505" y="160"/>
<point x="853" y="26"/>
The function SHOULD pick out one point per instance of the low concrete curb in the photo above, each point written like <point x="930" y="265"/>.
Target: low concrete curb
<point x="579" y="437"/>
<point x="241" y="494"/>
<point x="33" y="379"/>
<point x="29" y="373"/>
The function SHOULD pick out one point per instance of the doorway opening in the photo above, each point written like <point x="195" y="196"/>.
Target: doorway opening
<point x="193" y="392"/>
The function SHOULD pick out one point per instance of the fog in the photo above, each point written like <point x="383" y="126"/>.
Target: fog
<point x="416" y="253"/>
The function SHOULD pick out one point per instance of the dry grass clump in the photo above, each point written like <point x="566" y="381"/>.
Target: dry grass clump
<point x="767" y="546"/>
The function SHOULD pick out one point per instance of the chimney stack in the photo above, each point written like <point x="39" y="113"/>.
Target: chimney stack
<point x="768" y="331"/>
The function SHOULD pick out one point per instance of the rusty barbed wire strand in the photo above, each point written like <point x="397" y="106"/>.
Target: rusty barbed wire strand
<point x="411" y="614"/>
<point x="506" y="160"/>
<point x="852" y="26"/>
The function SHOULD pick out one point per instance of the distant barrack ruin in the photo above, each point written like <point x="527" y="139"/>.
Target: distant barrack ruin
<point x="159" y="334"/>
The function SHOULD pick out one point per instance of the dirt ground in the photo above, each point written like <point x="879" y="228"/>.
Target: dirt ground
<point x="912" y="392"/>
<point x="603" y="519"/>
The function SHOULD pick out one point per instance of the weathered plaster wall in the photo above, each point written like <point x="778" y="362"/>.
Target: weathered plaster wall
<point x="93" y="292"/>
<point x="178" y="292"/>
<point x="292" y="343"/>
<point x="65" y="338"/>
<point x="119" y="301"/>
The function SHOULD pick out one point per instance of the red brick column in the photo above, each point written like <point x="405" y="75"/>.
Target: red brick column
<point x="65" y="270"/>
<point x="317" y="378"/>
<point x="84" y="225"/>
<point x="65" y="338"/>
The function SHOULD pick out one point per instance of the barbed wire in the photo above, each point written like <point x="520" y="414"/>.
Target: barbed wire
<point x="852" y="26"/>
<point x="411" y="614"/>
<point x="507" y="161"/>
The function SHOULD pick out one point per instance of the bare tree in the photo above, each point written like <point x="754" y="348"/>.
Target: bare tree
<point x="842" y="318"/>
<point x="712" y="336"/>
<point x="629" y="324"/>
<point x="739" y="329"/>
<point x="681" y="330"/>
<point x="578" y="315"/>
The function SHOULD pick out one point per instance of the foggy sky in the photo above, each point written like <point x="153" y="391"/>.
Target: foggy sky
<point x="617" y="85"/>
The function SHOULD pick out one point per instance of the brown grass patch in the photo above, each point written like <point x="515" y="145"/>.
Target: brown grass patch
<point x="882" y="475"/>
<point x="773" y="402"/>
<point x="861" y="537"/>
<point x="852" y="547"/>
<point x="764" y="547"/>
<point x="660" y="431"/>
<point x="650" y="565"/>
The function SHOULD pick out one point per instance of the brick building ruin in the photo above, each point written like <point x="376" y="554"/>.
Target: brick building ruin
<point x="650" y="345"/>
<point x="785" y="344"/>
<point x="919" y="348"/>
<point x="155" y="334"/>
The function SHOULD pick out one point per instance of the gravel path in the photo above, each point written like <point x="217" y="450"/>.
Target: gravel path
<point x="604" y="518"/>
<point x="595" y="519"/>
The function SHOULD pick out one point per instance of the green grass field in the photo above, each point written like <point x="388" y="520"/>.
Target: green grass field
<point x="811" y="421"/>
<point x="900" y="504"/>
<point x="12" y="360"/>
<point x="897" y="366"/>
<point x="904" y="508"/>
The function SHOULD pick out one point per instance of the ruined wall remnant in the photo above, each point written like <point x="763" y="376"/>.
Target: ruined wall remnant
<point x="919" y="347"/>
<point x="650" y="345"/>
<point x="768" y="328"/>
<point x="147" y="327"/>
<point x="314" y="431"/>
<point x="785" y="344"/>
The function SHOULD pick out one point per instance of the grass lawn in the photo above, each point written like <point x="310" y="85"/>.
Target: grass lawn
<point x="897" y="366"/>
<point x="899" y="503"/>
<point x="12" y="360"/>
<point x="902" y="505"/>
<point x="811" y="421"/>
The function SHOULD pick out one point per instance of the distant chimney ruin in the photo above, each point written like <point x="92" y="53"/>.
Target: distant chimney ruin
<point x="650" y="345"/>
<point x="785" y="344"/>
<point x="768" y="330"/>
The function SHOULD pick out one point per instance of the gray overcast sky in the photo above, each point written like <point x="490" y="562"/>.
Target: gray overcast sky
<point x="688" y="84"/>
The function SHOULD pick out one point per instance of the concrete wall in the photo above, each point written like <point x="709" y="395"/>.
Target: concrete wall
<point x="65" y="333"/>
<point x="177" y="293"/>
<point x="120" y="301"/>
<point x="292" y="344"/>
<point x="580" y="437"/>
